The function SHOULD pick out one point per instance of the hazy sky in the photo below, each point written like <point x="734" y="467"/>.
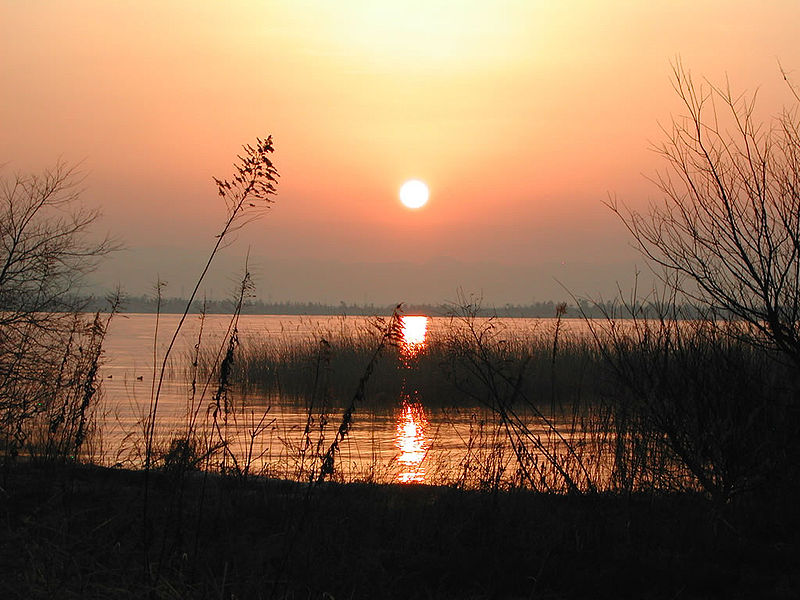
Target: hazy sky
<point x="521" y="116"/>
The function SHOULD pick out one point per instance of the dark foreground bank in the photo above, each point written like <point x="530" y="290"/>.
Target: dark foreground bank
<point x="76" y="532"/>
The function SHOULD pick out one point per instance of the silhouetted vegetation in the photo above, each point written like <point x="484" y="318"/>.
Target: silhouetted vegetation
<point x="73" y="534"/>
<point x="50" y="350"/>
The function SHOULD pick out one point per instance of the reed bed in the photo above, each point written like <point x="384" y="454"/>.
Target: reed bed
<point x="287" y="367"/>
<point x="656" y="405"/>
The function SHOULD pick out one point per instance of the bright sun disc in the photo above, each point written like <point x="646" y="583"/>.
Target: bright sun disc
<point x="414" y="193"/>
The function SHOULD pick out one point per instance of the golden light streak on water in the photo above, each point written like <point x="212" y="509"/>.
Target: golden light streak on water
<point x="414" y="330"/>
<point x="411" y="442"/>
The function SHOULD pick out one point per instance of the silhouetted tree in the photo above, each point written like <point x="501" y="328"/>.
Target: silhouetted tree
<point x="45" y="247"/>
<point x="728" y="229"/>
<point x="49" y="352"/>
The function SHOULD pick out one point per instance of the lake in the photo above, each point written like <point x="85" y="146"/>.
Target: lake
<point x="403" y="440"/>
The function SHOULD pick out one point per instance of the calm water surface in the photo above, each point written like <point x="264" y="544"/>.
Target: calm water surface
<point x="406" y="442"/>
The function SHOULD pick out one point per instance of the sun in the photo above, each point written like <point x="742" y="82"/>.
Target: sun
<point x="414" y="193"/>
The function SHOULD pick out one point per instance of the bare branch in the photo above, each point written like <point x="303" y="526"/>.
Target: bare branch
<point x="729" y="221"/>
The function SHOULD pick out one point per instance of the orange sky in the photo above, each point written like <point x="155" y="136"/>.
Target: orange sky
<point x="521" y="117"/>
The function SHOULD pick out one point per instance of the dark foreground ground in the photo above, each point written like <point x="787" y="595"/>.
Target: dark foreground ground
<point x="76" y="532"/>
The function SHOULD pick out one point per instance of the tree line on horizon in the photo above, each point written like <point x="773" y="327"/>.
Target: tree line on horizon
<point x="582" y="308"/>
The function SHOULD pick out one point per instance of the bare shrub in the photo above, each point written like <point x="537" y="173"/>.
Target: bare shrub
<point x="694" y="406"/>
<point x="49" y="351"/>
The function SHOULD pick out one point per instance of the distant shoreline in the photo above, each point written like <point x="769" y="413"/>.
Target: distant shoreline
<point x="147" y="304"/>
<point x="536" y="310"/>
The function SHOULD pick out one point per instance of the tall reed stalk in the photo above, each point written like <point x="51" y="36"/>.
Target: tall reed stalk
<point x="254" y="182"/>
<point x="246" y="195"/>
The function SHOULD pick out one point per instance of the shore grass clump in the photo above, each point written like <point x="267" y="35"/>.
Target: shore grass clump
<point x="698" y="406"/>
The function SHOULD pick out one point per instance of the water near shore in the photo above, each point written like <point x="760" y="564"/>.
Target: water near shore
<point x="405" y="436"/>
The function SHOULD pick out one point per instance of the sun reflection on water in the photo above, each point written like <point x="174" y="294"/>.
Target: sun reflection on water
<point x="411" y="442"/>
<point x="414" y="330"/>
<point x="412" y="424"/>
